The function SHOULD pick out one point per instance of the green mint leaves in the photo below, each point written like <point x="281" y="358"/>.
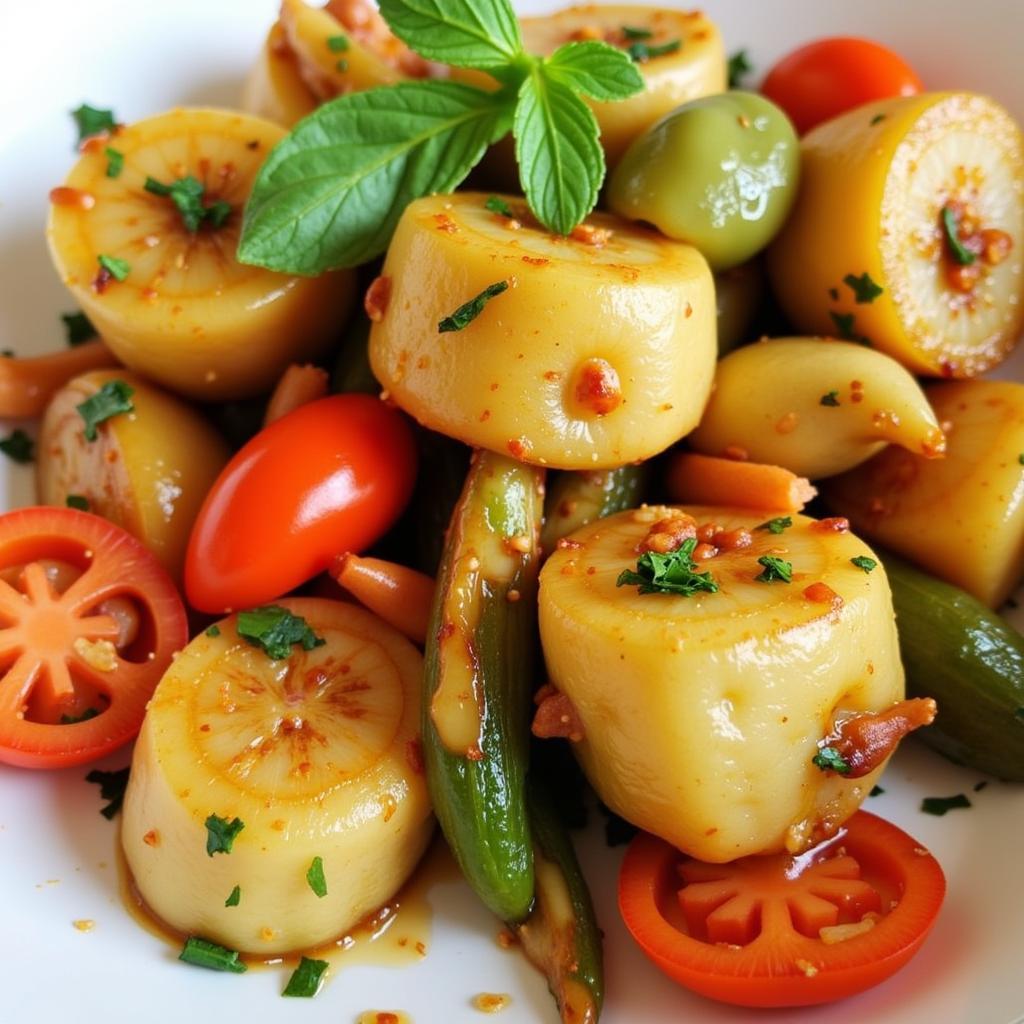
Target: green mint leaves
<point x="469" y="311"/>
<point x="221" y="834"/>
<point x="113" y="399"/>
<point x="672" y="573"/>
<point x="331" y="192"/>
<point x="275" y="629"/>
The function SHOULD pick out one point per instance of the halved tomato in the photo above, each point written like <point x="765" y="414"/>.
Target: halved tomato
<point x="89" y="621"/>
<point x="783" y="930"/>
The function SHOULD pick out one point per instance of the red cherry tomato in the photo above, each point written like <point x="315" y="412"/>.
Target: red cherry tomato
<point x="330" y="477"/>
<point x="831" y="76"/>
<point x="769" y="931"/>
<point x="89" y="621"/>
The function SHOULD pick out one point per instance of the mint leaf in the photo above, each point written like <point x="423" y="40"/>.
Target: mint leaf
<point x="330" y="193"/>
<point x="469" y="311"/>
<point x="594" y="69"/>
<point x="561" y="163"/>
<point x="221" y="834"/>
<point x="276" y="630"/>
<point x="672" y="573"/>
<point x="466" y="33"/>
<point x="92" y="120"/>
<point x="114" y="398"/>
<point x="776" y="570"/>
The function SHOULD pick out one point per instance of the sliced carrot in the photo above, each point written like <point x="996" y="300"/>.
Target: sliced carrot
<point x="399" y="595"/>
<point x="705" y="480"/>
<point x="299" y="385"/>
<point x="27" y="384"/>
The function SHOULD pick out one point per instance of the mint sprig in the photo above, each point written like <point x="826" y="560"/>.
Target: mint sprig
<point x="331" y="192"/>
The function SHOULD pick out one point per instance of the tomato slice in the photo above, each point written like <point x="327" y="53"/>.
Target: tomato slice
<point x="783" y="930"/>
<point x="89" y="621"/>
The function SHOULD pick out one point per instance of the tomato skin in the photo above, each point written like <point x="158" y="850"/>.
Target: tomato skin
<point x="828" y="77"/>
<point x="782" y="966"/>
<point x="331" y="476"/>
<point x="39" y="627"/>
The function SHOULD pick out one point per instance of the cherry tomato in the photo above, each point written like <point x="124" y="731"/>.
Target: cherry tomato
<point x="826" y="78"/>
<point x="330" y="477"/>
<point x="782" y="930"/>
<point x="89" y="621"/>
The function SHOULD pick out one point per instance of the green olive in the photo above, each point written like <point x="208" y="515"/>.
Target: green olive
<point x="719" y="172"/>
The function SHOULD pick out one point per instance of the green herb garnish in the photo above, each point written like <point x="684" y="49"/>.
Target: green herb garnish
<point x="341" y="65"/>
<point x="635" y="32"/>
<point x="115" y="162"/>
<point x="739" y="65"/>
<point x="390" y="145"/>
<point x="275" y="630"/>
<point x="208" y="954"/>
<point x="235" y="897"/>
<point x="337" y="44"/>
<point x="79" y="501"/>
<point x="876" y="791"/>
<point x="213" y="630"/>
<point x="830" y="398"/>
<point x="116" y="267"/>
<point x="78" y="328"/>
<point x="469" y="311"/>
<point x="306" y="978"/>
<point x="877" y="119"/>
<point x="18" y="446"/>
<point x="828" y="759"/>
<point x="642" y="52"/>
<point x="864" y="289"/>
<point x="111" y="400"/>
<point x="672" y="573"/>
<point x="940" y="805"/>
<point x="962" y="255"/>
<point x="221" y="834"/>
<point x="498" y="205"/>
<point x="75" y="719"/>
<point x="315" y="877"/>
<point x="776" y="570"/>
<point x="844" y="325"/>
<point x="776" y="525"/>
<point x="218" y="212"/>
<point x="112" y="786"/>
<point x="187" y="194"/>
<point x="865" y="563"/>
<point x="1020" y="458"/>
<point x="92" y="120"/>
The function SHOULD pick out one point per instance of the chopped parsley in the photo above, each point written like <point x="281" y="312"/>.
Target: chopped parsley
<point x="18" y="446"/>
<point x="844" y="325"/>
<point x="77" y="328"/>
<point x="315" y="877"/>
<point x="116" y="267"/>
<point x="830" y="398"/>
<point x="634" y="32"/>
<point x="672" y="573"/>
<point x="828" y="759"/>
<point x="498" y="205"/>
<point x="776" y="570"/>
<point x="275" y="630"/>
<point x="337" y="44"/>
<point x="221" y="834"/>
<point x="187" y="194"/>
<point x="876" y="791"/>
<point x="952" y="227"/>
<point x="75" y="719"/>
<point x="306" y="978"/>
<point x="641" y="52"/>
<point x="469" y="311"/>
<point x="213" y="630"/>
<point x="341" y="65"/>
<point x="776" y="525"/>
<point x="877" y="119"/>
<point x="864" y="289"/>
<point x="112" y="786"/>
<point x="235" y="897"/>
<point x="865" y="563"/>
<point x="115" y="162"/>
<point x="739" y="65"/>
<point x="201" y="953"/>
<point x="940" y="805"/>
<point x="111" y="400"/>
<point x="79" y="501"/>
<point x="92" y="120"/>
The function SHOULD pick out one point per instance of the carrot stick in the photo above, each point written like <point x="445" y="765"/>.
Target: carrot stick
<point x="704" y="480"/>
<point x="299" y="385"/>
<point x="399" y="595"/>
<point x="28" y="384"/>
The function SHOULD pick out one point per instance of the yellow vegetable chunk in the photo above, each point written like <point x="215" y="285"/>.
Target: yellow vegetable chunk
<point x="815" y="406"/>
<point x="600" y="352"/>
<point x="310" y="753"/>
<point x="701" y="714"/>
<point x="274" y="88"/>
<point x="187" y="314"/>
<point x="874" y="186"/>
<point x="148" y="470"/>
<point x="962" y="518"/>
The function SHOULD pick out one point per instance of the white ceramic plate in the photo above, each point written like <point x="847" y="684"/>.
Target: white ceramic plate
<point x="57" y="859"/>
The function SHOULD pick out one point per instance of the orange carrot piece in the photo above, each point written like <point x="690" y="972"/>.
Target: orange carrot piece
<point x="27" y="384"/>
<point x="400" y="596"/>
<point x="705" y="480"/>
<point x="299" y="385"/>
